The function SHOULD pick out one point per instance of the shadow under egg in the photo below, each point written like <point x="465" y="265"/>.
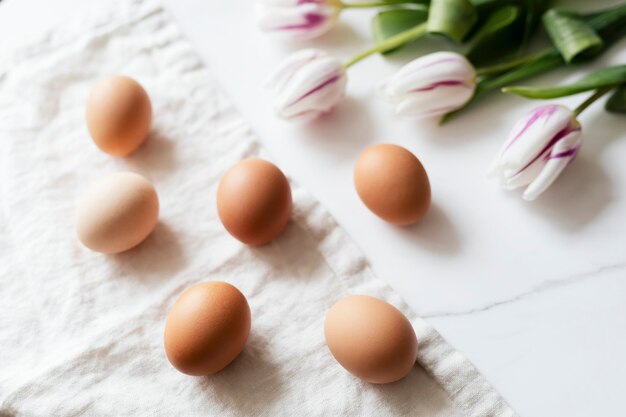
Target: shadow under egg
<point x="158" y="257"/>
<point x="155" y="155"/>
<point x="250" y="384"/>
<point x="435" y="232"/>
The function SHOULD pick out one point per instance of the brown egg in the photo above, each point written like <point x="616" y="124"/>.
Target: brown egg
<point x="207" y="328"/>
<point x="117" y="213"/>
<point x="254" y="201"/>
<point x="393" y="184"/>
<point x="371" y="339"/>
<point x="119" y="114"/>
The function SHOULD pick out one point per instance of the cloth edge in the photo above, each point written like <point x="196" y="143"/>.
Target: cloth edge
<point x="430" y="340"/>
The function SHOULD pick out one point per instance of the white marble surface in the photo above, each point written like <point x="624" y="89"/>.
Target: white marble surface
<point x="532" y="293"/>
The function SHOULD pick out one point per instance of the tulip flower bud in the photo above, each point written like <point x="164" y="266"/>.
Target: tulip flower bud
<point x="307" y="84"/>
<point x="298" y="19"/>
<point x="539" y="148"/>
<point x="431" y="85"/>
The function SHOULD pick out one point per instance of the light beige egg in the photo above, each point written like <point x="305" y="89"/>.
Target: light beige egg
<point x="117" y="213"/>
<point x="371" y="339"/>
<point x="119" y="114"/>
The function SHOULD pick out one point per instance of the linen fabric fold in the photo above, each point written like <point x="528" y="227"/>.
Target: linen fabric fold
<point x="82" y="332"/>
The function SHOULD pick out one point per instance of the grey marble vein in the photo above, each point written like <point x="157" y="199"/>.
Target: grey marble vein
<point x="542" y="287"/>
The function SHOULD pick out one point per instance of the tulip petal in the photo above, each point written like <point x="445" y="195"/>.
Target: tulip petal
<point x="435" y="101"/>
<point x="563" y="152"/>
<point x="308" y="84"/>
<point x="282" y="3"/>
<point x="539" y="147"/>
<point x="514" y="178"/>
<point x="450" y="61"/>
<point x="290" y="66"/>
<point x="322" y="98"/>
<point x="431" y="85"/>
<point x="426" y="78"/>
<point x="303" y="117"/>
<point x="572" y="128"/>
<point x="301" y="19"/>
<point x="308" y="78"/>
<point x="535" y="134"/>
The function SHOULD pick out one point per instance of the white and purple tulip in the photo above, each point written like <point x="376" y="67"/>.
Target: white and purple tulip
<point x="431" y="85"/>
<point x="298" y="19"/>
<point x="539" y="148"/>
<point x="307" y="84"/>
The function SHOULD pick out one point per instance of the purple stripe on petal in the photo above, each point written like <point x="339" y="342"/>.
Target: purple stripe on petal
<point x="450" y="83"/>
<point x="546" y="111"/>
<point x="565" y="154"/>
<point x="326" y="83"/>
<point x="309" y="2"/>
<point x="576" y="149"/>
<point x="312" y="20"/>
<point x="569" y="129"/>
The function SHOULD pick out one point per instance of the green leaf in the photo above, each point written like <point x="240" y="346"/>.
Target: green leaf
<point x="571" y="35"/>
<point x="602" y="78"/>
<point x="617" y="102"/>
<point x="451" y="18"/>
<point x="399" y="2"/>
<point x="610" y="24"/>
<point x="501" y="32"/>
<point x="539" y="64"/>
<point x="492" y="39"/>
<point x="534" y="9"/>
<point x="392" y="22"/>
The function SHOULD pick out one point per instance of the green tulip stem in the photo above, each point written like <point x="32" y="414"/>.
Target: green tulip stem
<point x="390" y="43"/>
<point x="599" y="93"/>
<point x="371" y="4"/>
<point x="511" y="64"/>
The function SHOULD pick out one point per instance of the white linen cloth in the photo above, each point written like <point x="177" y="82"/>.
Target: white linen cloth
<point x="81" y="333"/>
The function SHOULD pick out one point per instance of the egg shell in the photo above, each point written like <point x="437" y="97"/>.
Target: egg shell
<point x="254" y="201"/>
<point x="393" y="184"/>
<point x="119" y="115"/>
<point x="207" y="328"/>
<point x="371" y="339"/>
<point x="117" y="213"/>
